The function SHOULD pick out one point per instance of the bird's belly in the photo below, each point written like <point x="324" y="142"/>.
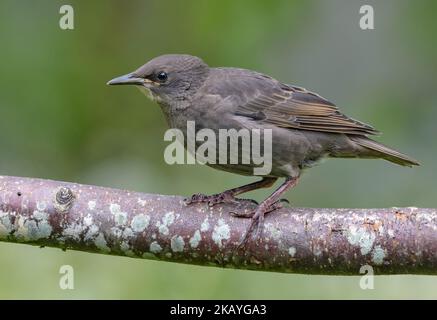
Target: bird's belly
<point x="290" y="152"/>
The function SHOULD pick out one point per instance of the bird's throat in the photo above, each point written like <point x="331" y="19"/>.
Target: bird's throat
<point x="148" y="93"/>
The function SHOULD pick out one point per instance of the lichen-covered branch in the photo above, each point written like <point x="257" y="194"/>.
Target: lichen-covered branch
<point x="295" y="240"/>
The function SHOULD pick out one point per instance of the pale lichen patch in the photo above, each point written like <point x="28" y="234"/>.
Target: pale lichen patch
<point x="117" y="232"/>
<point x="29" y="229"/>
<point x="39" y="215"/>
<point x="124" y="246"/>
<point x="101" y="243"/>
<point x="3" y="214"/>
<point x="41" y="205"/>
<point x="3" y="231"/>
<point x="205" y="225"/>
<point x="155" y="247"/>
<point x="6" y="226"/>
<point x="316" y="217"/>
<point x="142" y="202"/>
<point x="163" y="229"/>
<point x="221" y="232"/>
<point x="317" y="251"/>
<point x="92" y="205"/>
<point x="140" y="222"/>
<point x="120" y="217"/>
<point x="73" y="231"/>
<point x="274" y="232"/>
<point x="127" y="233"/>
<point x="167" y="220"/>
<point x="195" y="239"/>
<point x="91" y="232"/>
<point x="43" y="230"/>
<point x="361" y="237"/>
<point x="177" y="244"/>
<point x="88" y="220"/>
<point x="378" y="255"/>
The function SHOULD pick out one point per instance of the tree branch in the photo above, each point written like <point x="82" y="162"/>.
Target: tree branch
<point x="296" y="240"/>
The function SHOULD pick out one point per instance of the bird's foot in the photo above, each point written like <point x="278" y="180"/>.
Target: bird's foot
<point x="256" y="226"/>
<point x="212" y="200"/>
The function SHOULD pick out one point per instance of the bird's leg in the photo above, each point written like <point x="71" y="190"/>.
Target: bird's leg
<point x="228" y="196"/>
<point x="270" y="204"/>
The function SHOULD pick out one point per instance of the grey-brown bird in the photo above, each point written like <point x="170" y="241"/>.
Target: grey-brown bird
<point x="305" y="126"/>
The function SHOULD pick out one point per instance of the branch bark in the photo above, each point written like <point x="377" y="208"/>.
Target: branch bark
<point x="296" y="240"/>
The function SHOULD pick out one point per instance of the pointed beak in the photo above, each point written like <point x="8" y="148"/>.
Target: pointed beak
<point x="126" y="79"/>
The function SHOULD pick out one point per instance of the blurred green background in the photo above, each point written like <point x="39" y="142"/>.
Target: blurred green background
<point x="59" y="120"/>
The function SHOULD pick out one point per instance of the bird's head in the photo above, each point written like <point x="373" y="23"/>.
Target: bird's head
<point x="167" y="78"/>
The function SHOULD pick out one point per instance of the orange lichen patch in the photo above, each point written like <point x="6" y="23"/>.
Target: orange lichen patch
<point x="401" y="215"/>
<point x="375" y="225"/>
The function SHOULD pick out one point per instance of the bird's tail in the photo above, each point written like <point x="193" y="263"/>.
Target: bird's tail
<point x="386" y="153"/>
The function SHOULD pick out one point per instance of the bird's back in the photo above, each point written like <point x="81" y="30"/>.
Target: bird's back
<point x="303" y="119"/>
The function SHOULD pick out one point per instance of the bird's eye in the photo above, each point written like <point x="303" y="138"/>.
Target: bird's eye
<point x="162" y="76"/>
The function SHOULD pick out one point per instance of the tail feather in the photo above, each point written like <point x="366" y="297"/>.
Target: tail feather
<point x="385" y="152"/>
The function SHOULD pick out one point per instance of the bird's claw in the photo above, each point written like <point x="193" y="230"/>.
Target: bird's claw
<point x="256" y="226"/>
<point x="284" y="201"/>
<point x="253" y="213"/>
<point x="212" y="200"/>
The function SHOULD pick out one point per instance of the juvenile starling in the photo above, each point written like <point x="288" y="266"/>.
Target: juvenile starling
<point x="305" y="126"/>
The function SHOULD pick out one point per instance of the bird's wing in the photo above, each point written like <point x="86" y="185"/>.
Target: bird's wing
<point x="264" y="99"/>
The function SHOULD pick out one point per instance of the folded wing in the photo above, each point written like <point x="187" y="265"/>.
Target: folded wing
<point x="264" y="99"/>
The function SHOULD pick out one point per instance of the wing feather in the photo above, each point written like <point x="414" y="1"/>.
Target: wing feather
<point x="265" y="99"/>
